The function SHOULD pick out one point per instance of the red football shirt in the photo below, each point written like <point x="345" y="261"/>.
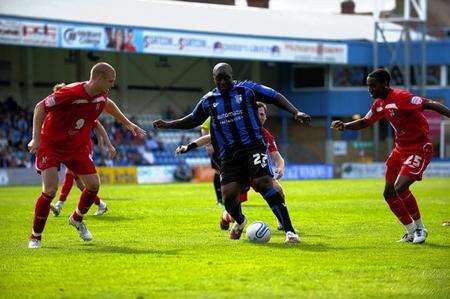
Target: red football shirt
<point x="405" y="113"/>
<point x="270" y="141"/>
<point x="71" y="115"/>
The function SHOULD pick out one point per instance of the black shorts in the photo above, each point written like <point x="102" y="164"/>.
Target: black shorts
<point x="245" y="166"/>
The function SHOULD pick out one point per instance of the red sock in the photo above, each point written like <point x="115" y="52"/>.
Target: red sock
<point x="410" y="203"/>
<point x="41" y="210"/>
<point x="67" y="186"/>
<point x="86" y="200"/>
<point x="399" y="209"/>
<point x="243" y="197"/>
<point x="97" y="200"/>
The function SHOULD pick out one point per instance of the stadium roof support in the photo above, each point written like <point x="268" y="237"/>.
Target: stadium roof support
<point x="414" y="15"/>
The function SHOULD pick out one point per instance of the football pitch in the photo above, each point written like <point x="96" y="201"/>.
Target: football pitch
<point x="165" y="241"/>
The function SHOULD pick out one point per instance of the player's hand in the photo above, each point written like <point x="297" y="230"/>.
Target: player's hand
<point x="279" y="172"/>
<point x="181" y="149"/>
<point x="302" y="118"/>
<point x="136" y="130"/>
<point x="33" y="146"/>
<point x="160" y="124"/>
<point x="112" y="152"/>
<point x="337" y="125"/>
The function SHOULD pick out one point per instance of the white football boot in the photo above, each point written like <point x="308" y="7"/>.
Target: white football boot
<point x="407" y="238"/>
<point x="56" y="208"/>
<point x="34" y="243"/>
<point x="84" y="233"/>
<point x="292" y="238"/>
<point x="102" y="209"/>
<point x="420" y="235"/>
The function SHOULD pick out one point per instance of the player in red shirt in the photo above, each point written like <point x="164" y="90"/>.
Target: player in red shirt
<point x="70" y="177"/>
<point x="61" y="134"/>
<point x="412" y="152"/>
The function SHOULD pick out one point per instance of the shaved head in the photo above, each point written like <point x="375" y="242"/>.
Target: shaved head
<point x="222" y="67"/>
<point x="223" y="76"/>
<point x="102" y="70"/>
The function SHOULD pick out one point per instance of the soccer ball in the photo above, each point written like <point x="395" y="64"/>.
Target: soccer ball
<point x="258" y="232"/>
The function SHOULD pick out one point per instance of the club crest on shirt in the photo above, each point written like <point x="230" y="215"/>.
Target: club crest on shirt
<point x="238" y="99"/>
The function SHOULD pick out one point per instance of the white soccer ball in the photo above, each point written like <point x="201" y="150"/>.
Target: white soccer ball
<point x="258" y="232"/>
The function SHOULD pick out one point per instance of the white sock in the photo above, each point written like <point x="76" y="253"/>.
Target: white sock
<point x="419" y="223"/>
<point x="102" y="204"/>
<point x="60" y="203"/>
<point x="410" y="228"/>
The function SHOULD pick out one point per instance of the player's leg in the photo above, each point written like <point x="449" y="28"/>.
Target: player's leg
<point x="42" y="206"/>
<point x="275" y="200"/>
<point x="277" y="186"/>
<point x="226" y="218"/>
<point x="84" y="168"/>
<point x="393" y="167"/>
<point x="65" y="190"/>
<point x="217" y="188"/>
<point x="412" y="170"/>
<point x="230" y="195"/>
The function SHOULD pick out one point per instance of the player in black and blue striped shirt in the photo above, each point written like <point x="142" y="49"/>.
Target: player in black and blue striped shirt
<point x="238" y="139"/>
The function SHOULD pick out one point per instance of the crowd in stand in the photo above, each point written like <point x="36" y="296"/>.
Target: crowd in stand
<point x="16" y="129"/>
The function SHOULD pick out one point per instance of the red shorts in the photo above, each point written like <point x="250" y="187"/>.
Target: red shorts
<point x="79" y="164"/>
<point x="411" y="163"/>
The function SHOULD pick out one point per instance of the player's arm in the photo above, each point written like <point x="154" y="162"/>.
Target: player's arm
<point x="112" y="109"/>
<point x="184" y="123"/>
<point x="104" y="139"/>
<point x="279" y="163"/>
<point x="38" y="120"/>
<point x="358" y="124"/>
<point x="282" y="102"/>
<point x="193" y="120"/>
<point x="436" y="106"/>
<point x="199" y="142"/>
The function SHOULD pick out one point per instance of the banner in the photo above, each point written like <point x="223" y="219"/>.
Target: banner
<point x="4" y="178"/>
<point x="378" y="169"/>
<point x="168" y="42"/>
<point x="34" y="33"/>
<point x="117" y="175"/>
<point x="83" y="37"/>
<point x="303" y="172"/>
<point x="155" y="174"/>
<point x="40" y="34"/>
<point x="224" y="46"/>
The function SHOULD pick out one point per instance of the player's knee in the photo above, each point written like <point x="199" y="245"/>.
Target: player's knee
<point x="389" y="193"/>
<point x="263" y="184"/>
<point x="400" y="187"/>
<point x="50" y="190"/>
<point x="93" y="187"/>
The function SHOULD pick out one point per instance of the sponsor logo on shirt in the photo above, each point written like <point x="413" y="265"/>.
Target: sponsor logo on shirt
<point x="416" y="100"/>
<point x="391" y="106"/>
<point x="50" y="101"/>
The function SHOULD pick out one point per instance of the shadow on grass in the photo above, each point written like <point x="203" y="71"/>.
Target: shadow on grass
<point x="110" y="218"/>
<point x="434" y="245"/>
<point x="317" y="247"/>
<point x="106" y="199"/>
<point x="128" y="250"/>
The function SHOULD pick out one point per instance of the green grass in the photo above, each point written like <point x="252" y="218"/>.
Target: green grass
<point x="165" y="241"/>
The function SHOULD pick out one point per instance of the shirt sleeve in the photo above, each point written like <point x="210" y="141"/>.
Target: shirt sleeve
<point x="58" y="98"/>
<point x="272" y="146"/>
<point x="410" y="102"/>
<point x="199" y="114"/>
<point x="206" y="124"/>
<point x="262" y="93"/>
<point x="375" y="113"/>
